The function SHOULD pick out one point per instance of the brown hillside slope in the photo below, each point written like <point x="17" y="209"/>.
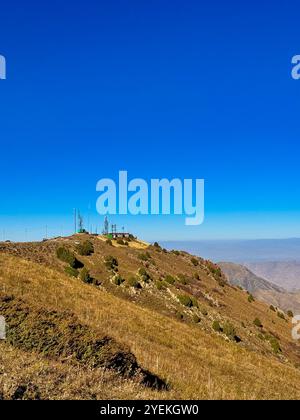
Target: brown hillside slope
<point x="194" y="359"/>
<point x="25" y="375"/>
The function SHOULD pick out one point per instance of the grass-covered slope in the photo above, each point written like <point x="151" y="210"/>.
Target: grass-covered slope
<point x="174" y="314"/>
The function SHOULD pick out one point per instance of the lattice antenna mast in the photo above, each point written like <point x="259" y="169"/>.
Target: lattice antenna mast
<point x="113" y="229"/>
<point x="80" y="222"/>
<point x="106" y="226"/>
<point x="75" y="220"/>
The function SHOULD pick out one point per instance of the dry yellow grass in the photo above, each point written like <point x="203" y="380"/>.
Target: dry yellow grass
<point x="197" y="364"/>
<point x="40" y="378"/>
<point x="134" y="244"/>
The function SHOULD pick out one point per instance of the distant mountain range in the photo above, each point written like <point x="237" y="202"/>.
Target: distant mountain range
<point x="286" y="301"/>
<point x="282" y="273"/>
<point x="239" y="251"/>
<point x="238" y="275"/>
<point x="270" y="260"/>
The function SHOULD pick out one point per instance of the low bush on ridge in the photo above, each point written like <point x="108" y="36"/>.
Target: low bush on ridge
<point x="85" y="248"/>
<point x="111" y="263"/>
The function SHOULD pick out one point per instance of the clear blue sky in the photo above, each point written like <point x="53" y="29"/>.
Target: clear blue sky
<point x="162" y="89"/>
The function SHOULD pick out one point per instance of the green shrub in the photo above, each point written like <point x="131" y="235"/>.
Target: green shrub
<point x="109" y="242"/>
<point x="204" y="311"/>
<point x="290" y="314"/>
<point x="196" y="276"/>
<point x="65" y="255"/>
<point x="216" y="271"/>
<point x="196" y="319"/>
<point x="272" y="308"/>
<point x="111" y="262"/>
<point x="194" y="261"/>
<point x="182" y="279"/>
<point x="159" y="285"/>
<point x="85" y="248"/>
<point x="169" y="279"/>
<point x="144" y="256"/>
<point x="212" y="269"/>
<point x="257" y="323"/>
<point x="142" y="271"/>
<point x="195" y="302"/>
<point x="281" y="315"/>
<point x="221" y="282"/>
<point x="85" y="276"/>
<point x="229" y="330"/>
<point x="118" y="280"/>
<point x="71" y="271"/>
<point x="156" y="244"/>
<point x="251" y="298"/>
<point x="275" y="345"/>
<point x="185" y="300"/>
<point x="216" y="326"/>
<point x="133" y="282"/>
<point x="144" y="275"/>
<point x="120" y="241"/>
<point x="174" y="251"/>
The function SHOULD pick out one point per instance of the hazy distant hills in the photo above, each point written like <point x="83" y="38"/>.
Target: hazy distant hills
<point x="272" y="260"/>
<point x="286" y="301"/>
<point x="239" y="275"/>
<point x="242" y="250"/>
<point x="282" y="273"/>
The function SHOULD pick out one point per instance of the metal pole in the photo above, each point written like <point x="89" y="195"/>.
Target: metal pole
<point x="75" y="220"/>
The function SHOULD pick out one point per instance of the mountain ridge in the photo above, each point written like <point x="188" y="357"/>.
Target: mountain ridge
<point x="239" y="275"/>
